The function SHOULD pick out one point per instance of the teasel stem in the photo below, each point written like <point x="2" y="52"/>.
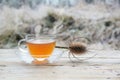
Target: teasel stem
<point x="61" y="47"/>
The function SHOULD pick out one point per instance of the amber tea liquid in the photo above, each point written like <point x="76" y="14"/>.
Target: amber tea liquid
<point x="41" y="48"/>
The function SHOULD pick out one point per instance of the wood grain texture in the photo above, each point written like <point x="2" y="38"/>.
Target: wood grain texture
<point x="105" y="66"/>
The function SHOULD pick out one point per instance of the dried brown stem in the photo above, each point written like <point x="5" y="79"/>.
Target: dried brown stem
<point x="61" y="47"/>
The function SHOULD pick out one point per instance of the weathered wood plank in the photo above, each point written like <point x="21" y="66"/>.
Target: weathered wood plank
<point x="98" y="68"/>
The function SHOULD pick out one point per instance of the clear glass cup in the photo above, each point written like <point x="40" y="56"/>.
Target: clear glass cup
<point x="38" y="49"/>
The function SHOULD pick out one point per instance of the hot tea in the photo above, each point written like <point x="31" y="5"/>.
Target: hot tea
<point x="41" y="48"/>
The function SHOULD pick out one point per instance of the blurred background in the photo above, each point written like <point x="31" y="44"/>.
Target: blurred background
<point x="55" y="3"/>
<point x="97" y="20"/>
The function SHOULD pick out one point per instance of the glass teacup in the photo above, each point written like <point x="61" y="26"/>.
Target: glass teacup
<point x="39" y="48"/>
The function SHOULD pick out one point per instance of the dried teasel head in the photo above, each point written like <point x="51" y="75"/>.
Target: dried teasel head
<point x="77" y="48"/>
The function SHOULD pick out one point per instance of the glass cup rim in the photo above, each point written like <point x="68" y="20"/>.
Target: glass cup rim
<point x="41" y="36"/>
<point x="29" y="37"/>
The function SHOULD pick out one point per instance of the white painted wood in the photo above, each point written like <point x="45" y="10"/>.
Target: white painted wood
<point x="105" y="66"/>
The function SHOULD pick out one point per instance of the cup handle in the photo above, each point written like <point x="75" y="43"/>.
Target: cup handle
<point x="21" y="48"/>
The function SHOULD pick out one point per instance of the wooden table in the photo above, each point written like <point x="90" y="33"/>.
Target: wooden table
<point x="105" y="66"/>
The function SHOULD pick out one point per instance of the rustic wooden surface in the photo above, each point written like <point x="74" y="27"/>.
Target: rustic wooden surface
<point x="105" y="66"/>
